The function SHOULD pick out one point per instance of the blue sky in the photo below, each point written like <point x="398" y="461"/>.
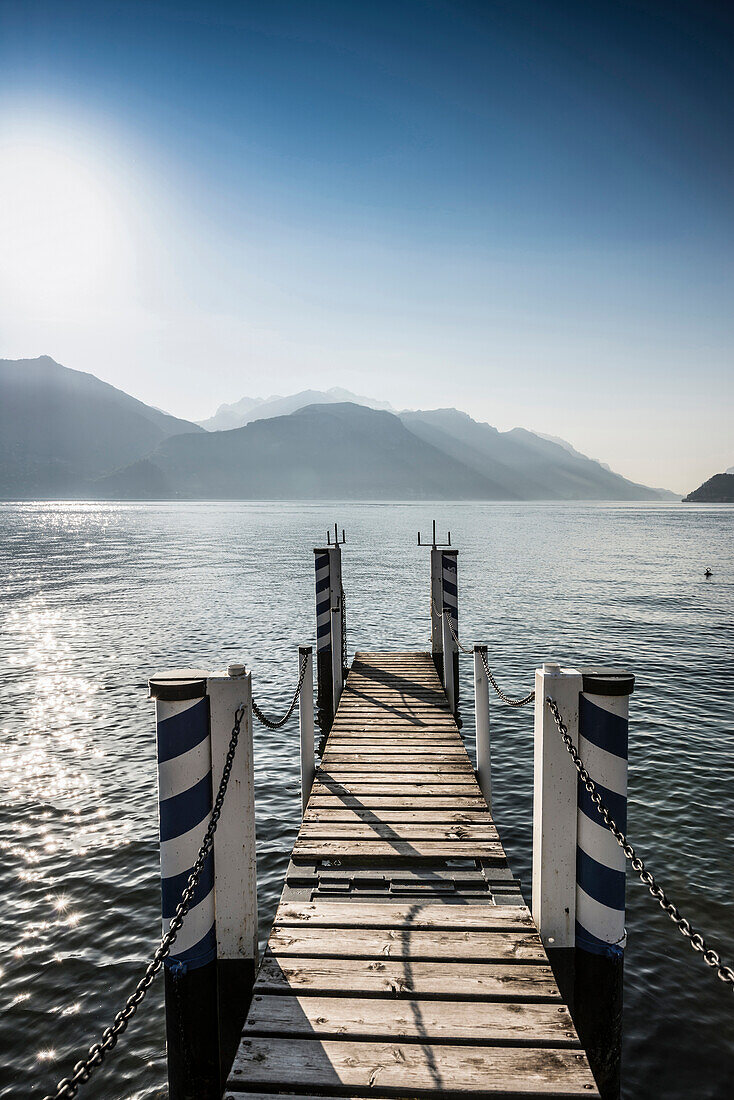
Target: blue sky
<point x="521" y="209"/>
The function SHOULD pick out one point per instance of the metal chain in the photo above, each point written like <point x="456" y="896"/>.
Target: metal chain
<point x="696" y="940"/>
<point x="83" y="1070"/>
<point x="270" y="723"/>
<point x="453" y="634"/>
<point x="505" y="698"/>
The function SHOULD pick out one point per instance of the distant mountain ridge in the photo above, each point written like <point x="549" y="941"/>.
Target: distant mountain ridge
<point x="350" y="452"/>
<point x="65" y="434"/>
<point x="248" y="409"/>
<point x="329" y="451"/>
<point x="60" y="428"/>
<point x="527" y="466"/>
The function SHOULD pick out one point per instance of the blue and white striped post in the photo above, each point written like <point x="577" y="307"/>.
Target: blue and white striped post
<point x="437" y="609"/>
<point x="185" y="804"/>
<point x="482" y="739"/>
<point x="337" y="657"/>
<point x="324" y="679"/>
<point x="600" y="873"/>
<point x="450" y="606"/>
<point x="305" y="722"/>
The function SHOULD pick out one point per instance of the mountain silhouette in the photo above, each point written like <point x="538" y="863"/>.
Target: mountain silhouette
<point x="61" y="428"/>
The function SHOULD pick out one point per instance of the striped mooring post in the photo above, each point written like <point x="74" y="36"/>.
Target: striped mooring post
<point x="450" y="605"/>
<point x="306" y="727"/>
<point x="324" y="683"/>
<point x="578" y="867"/>
<point x="437" y="609"/>
<point x="482" y="740"/>
<point x="185" y="804"/>
<point x="329" y="632"/>
<point x="600" y="873"/>
<point x="209" y="974"/>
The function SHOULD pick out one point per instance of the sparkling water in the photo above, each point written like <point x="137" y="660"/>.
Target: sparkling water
<point x="98" y="597"/>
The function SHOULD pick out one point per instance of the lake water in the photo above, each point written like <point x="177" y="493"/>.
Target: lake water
<point x="98" y="597"/>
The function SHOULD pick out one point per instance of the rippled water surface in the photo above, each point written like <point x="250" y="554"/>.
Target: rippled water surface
<point x="96" y="598"/>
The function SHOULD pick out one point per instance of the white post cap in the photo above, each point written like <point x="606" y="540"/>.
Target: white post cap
<point x="237" y="668"/>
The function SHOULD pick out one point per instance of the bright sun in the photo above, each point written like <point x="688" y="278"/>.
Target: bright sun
<point x="62" y="232"/>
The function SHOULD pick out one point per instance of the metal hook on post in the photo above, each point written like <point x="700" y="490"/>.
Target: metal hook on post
<point x="433" y="543"/>
<point x="337" y="540"/>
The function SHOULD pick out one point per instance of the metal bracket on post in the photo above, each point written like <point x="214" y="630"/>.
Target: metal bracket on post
<point x="235" y="879"/>
<point x="305" y="715"/>
<point x="481" y="719"/>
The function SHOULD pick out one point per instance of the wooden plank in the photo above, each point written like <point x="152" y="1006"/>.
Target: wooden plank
<point x="427" y="1021"/>
<point x="385" y="768"/>
<point x="394" y="754"/>
<point x="407" y="943"/>
<point x="407" y="693"/>
<point x="385" y="727"/>
<point x="314" y="848"/>
<point x="395" y="683"/>
<point x="421" y="790"/>
<point x="376" y="739"/>
<point x="434" y="765"/>
<point x="371" y="801"/>
<point x="411" y="1067"/>
<point x="396" y="816"/>
<point x="379" y="830"/>
<point x="387" y="774"/>
<point x="403" y="709"/>
<point x="374" y="914"/>
<point x="462" y="980"/>
<point x="393" y="780"/>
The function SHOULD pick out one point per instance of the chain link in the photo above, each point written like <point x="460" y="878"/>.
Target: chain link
<point x="505" y="698"/>
<point x="454" y="635"/>
<point x="696" y="940"/>
<point x="270" y="723"/>
<point x="83" y="1070"/>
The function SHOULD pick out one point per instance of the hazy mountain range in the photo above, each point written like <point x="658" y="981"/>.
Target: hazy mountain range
<point x="248" y="409"/>
<point x="65" y="433"/>
<point x="60" y="429"/>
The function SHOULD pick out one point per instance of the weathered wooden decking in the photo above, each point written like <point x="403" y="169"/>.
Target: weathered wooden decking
<point x="402" y="961"/>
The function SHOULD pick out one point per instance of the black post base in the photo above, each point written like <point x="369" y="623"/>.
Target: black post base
<point x="192" y="1041"/>
<point x="597" y="1014"/>
<point x="324" y="690"/>
<point x="562" y="961"/>
<point x="235" y="979"/>
<point x="456" y="681"/>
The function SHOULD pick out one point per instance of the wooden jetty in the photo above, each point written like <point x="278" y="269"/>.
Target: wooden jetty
<point x="402" y="960"/>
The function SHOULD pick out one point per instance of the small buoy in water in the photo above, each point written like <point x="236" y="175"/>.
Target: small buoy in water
<point x="708" y="573"/>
